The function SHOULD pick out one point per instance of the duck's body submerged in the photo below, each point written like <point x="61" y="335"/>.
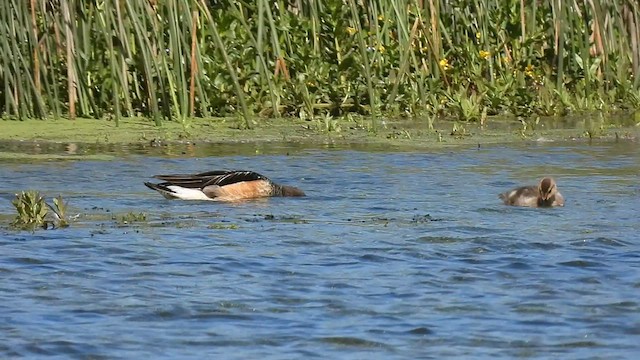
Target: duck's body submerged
<point x="220" y="185"/>
<point x="545" y="194"/>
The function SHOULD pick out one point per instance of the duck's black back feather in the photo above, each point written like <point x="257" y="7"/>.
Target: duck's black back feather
<point x="216" y="177"/>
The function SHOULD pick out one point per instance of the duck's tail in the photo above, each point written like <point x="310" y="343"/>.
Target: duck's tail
<point x="162" y="189"/>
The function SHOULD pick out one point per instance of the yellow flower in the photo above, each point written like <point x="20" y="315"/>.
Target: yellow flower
<point x="528" y="71"/>
<point x="381" y="17"/>
<point x="484" y="54"/>
<point x="478" y="35"/>
<point x="351" y="30"/>
<point x="444" y="65"/>
<point x="380" y="48"/>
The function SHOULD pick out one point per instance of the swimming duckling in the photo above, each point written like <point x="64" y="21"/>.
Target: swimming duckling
<point x="546" y="194"/>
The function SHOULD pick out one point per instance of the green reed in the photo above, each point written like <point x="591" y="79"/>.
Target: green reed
<point x="177" y="59"/>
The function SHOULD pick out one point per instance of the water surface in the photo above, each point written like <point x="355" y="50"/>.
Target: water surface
<point x="393" y="255"/>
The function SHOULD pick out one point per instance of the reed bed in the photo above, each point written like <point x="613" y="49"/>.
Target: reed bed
<point x="176" y="59"/>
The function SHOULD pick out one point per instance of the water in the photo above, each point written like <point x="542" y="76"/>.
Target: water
<point x="393" y="255"/>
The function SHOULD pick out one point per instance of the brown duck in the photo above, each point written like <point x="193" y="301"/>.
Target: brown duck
<point x="546" y="194"/>
<point x="220" y="185"/>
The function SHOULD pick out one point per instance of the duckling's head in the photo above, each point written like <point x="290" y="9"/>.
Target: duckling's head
<point x="547" y="188"/>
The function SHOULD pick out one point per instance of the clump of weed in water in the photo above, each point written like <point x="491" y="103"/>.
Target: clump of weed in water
<point x="223" y="226"/>
<point x="331" y="124"/>
<point x="459" y="131"/>
<point x="131" y="217"/>
<point x="59" y="209"/>
<point x="32" y="211"/>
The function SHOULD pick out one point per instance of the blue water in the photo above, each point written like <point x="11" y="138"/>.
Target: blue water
<point x="392" y="255"/>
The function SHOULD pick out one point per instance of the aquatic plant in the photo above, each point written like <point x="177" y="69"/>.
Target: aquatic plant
<point x="194" y="58"/>
<point x="59" y="209"/>
<point x="328" y="124"/>
<point x="130" y="217"/>
<point x="458" y="130"/>
<point x="467" y="107"/>
<point x="31" y="209"/>
<point x="223" y="226"/>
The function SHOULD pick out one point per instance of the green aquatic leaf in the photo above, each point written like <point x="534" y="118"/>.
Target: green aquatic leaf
<point x="31" y="209"/>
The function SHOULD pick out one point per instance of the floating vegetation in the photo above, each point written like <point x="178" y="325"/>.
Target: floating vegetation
<point x="458" y="130"/>
<point x="131" y="217"/>
<point x="33" y="210"/>
<point x="294" y="219"/>
<point x="426" y="218"/>
<point x="223" y="226"/>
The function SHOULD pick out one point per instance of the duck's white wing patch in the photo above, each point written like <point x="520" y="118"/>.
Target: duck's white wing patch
<point x="180" y="192"/>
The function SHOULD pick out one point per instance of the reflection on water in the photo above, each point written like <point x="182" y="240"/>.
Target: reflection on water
<point x="180" y="150"/>
<point x="392" y="255"/>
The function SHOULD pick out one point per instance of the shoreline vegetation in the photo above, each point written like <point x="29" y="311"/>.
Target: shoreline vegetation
<point x="327" y="62"/>
<point x="398" y="132"/>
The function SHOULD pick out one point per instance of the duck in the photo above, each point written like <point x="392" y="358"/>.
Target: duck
<point x="220" y="185"/>
<point x="545" y="194"/>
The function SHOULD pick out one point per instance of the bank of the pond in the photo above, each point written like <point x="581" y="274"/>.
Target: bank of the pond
<point x="395" y="132"/>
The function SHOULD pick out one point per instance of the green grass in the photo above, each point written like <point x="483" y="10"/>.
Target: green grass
<point x="174" y="60"/>
<point x="60" y="140"/>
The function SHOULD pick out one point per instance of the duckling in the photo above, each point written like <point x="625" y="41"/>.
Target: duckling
<point x="220" y="185"/>
<point x="546" y="194"/>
